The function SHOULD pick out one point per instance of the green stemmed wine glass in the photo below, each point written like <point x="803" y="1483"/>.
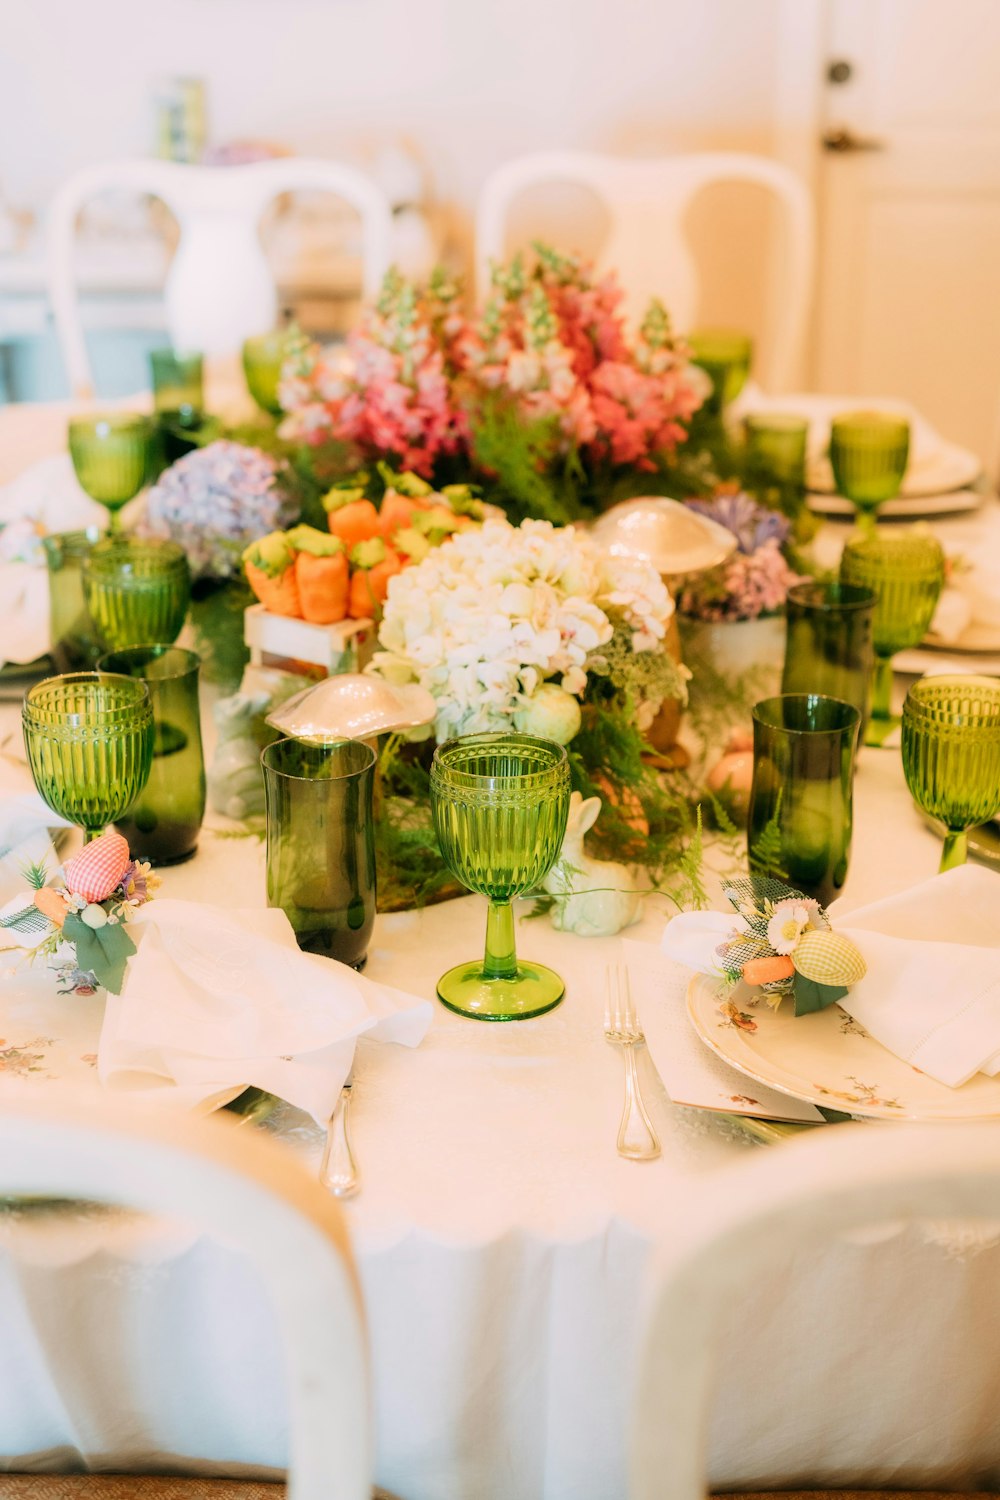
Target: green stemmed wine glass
<point x="725" y="356"/>
<point x="89" y="740"/>
<point x="951" y="754"/>
<point x="905" y="571"/>
<point x="111" y="455"/>
<point x="500" y="804"/>
<point x="263" y="359"/>
<point x="137" y="591"/>
<point x="868" y="455"/>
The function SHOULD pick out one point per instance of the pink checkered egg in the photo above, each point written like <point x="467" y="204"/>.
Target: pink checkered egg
<point x="99" y="866"/>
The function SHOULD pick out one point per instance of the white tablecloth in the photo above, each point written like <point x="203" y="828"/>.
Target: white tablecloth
<point x="502" y="1247"/>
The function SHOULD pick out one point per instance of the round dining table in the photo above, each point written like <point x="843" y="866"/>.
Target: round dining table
<point x="503" y="1248"/>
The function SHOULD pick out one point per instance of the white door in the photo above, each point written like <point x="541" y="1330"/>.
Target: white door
<point x="909" y="298"/>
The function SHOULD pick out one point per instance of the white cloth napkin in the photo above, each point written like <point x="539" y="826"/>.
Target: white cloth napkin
<point x="216" y="1000"/>
<point x="25" y="839"/>
<point x="931" y="993"/>
<point x="45" y="498"/>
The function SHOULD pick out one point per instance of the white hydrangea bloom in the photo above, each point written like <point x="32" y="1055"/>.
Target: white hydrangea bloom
<point x="489" y="616"/>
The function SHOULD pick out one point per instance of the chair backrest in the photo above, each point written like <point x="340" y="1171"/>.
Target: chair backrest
<point x="647" y="201"/>
<point x="795" y="1195"/>
<point x="219" y="288"/>
<point x="246" y="1188"/>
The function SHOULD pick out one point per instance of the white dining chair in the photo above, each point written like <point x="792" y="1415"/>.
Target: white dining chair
<point x="789" y="1198"/>
<point x="646" y="201"/>
<point x="242" y="1186"/>
<point x="219" y="288"/>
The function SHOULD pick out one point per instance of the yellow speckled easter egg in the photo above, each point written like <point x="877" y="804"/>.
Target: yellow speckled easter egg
<point x="827" y="957"/>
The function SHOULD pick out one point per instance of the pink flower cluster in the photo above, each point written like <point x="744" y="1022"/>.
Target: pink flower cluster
<point x="555" y="339"/>
<point x="551" y="338"/>
<point x="390" y="392"/>
<point x="750" y="585"/>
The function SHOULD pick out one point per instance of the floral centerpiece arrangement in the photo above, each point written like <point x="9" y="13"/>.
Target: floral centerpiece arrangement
<point x="531" y="628"/>
<point x="545" y="397"/>
<point x="81" y="922"/>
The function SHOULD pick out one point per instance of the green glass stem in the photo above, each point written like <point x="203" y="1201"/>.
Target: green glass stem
<point x="882" y="688"/>
<point x="500" y="961"/>
<point x="956" y="849"/>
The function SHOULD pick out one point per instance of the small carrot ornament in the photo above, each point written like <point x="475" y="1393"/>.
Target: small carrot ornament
<point x="351" y="516"/>
<point x="374" y="564"/>
<point x="405" y="494"/>
<point x="322" y="574"/>
<point x="270" y="570"/>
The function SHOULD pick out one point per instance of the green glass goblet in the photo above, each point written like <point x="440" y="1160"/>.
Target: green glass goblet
<point x="500" y="804"/>
<point x="89" y="741"/>
<point x="137" y="591"/>
<point x="725" y="356"/>
<point x="775" y="459"/>
<point x="868" y="455"/>
<point x="263" y="360"/>
<point x="111" y="455"/>
<point x="163" y="822"/>
<point x="800" y="819"/>
<point x="75" y="647"/>
<point x="951" y="754"/>
<point x="178" y="382"/>
<point x="905" y="571"/>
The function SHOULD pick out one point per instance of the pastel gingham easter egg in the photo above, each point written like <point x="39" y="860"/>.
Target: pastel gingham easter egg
<point x="827" y="957"/>
<point x="97" y="869"/>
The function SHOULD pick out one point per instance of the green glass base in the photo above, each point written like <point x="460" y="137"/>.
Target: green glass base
<point x="466" y="990"/>
<point x="879" y="730"/>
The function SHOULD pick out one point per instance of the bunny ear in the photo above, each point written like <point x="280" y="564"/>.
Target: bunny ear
<point x="589" y="810"/>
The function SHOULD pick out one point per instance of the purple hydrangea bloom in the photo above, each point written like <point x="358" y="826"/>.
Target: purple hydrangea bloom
<point x="751" y="524"/>
<point x="214" y="502"/>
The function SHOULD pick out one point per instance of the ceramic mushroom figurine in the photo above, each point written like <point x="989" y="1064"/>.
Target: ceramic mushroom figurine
<point x="594" y="897"/>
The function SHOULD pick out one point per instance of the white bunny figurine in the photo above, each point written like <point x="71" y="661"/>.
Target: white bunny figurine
<point x="594" y="897"/>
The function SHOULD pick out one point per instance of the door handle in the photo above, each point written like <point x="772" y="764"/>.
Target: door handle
<point x="844" y="141"/>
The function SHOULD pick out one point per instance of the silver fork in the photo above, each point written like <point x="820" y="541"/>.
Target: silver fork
<point x="338" y="1170"/>
<point x="636" y="1136"/>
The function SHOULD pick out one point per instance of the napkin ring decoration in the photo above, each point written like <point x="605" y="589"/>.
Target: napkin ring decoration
<point x="103" y="885"/>
<point x="783" y="944"/>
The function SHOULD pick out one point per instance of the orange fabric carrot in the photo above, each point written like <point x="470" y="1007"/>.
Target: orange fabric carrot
<point x="396" y="513"/>
<point x="269" y="564"/>
<point x="374" y="565"/>
<point x="350" y="516"/>
<point x="322" y="574"/>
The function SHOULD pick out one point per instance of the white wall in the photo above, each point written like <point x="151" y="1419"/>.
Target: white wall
<point x="468" y="82"/>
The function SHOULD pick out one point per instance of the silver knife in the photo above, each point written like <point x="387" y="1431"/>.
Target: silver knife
<point x="338" y="1170"/>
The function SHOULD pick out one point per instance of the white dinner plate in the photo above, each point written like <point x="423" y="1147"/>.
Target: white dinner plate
<point x="933" y="473"/>
<point x="951" y="503"/>
<point x="976" y="640"/>
<point x="826" y="1058"/>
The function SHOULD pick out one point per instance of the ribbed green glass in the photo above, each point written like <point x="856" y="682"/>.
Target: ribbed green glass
<point x="321" y="843"/>
<point x="178" y="381"/>
<point x="500" y="805"/>
<point x="75" y="646"/>
<point x="110" y="455"/>
<point x="828" y="645"/>
<point x="776" y="446"/>
<point x="137" y="591"/>
<point x="868" y="456"/>
<point x="263" y="358"/>
<point x="89" y="741"/>
<point x="951" y="754"/>
<point x="725" y="355"/>
<point x="905" y="570"/>
<point x="800" y="819"/>
<point x="163" y="822"/>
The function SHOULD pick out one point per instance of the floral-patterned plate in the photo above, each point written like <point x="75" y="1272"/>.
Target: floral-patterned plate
<point x="827" y="1058"/>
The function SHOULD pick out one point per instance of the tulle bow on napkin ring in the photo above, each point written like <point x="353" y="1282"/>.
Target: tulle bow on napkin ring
<point x="781" y="942"/>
